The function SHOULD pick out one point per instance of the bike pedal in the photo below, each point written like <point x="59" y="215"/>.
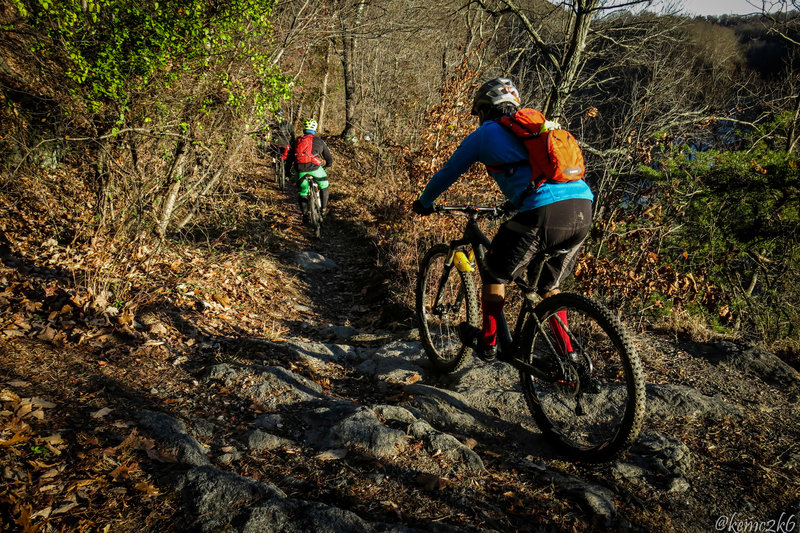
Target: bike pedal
<point x="487" y="353"/>
<point x="470" y="337"/>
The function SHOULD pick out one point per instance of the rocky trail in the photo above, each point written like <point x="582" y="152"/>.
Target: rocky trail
<point x="339" y="426"/>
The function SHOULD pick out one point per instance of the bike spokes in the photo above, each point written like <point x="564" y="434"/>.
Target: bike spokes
<point x="593" y="399"/>
<point x="446" y="297"/>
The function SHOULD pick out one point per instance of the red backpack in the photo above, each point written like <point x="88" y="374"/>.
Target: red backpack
<point x="304" y="151"/>
<point x="553" y="155"/>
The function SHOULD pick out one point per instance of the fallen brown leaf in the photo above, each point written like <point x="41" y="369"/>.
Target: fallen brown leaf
<point x="331" y="455"/>
<point x="432" y="481"/>
<point x="147" y="488"/>
<point x="100" y="413"/>
<point x="16" y="439"/>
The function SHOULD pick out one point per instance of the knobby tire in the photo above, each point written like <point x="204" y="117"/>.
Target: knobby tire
<point x="315" y="216"/>
<point x="438" y="323"/>
<point x="280" y="174"/>
<point x="590" y="416"/>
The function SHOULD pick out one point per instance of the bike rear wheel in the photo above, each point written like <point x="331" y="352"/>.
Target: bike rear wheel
<point x="445" y="298"/>
<point x="314" y="209"/>
<point x="593" y="405"/>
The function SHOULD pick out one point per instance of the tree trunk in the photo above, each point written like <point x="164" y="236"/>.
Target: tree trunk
<point x="569" y="65"/>
<point x="348" y="64"/>
<point x="349" y="132"/>
<point x="791" y="138"/>
<point x="565" y="69"/>
<point x="101" y="181"/>
<point x="324" y="97"/>
<point x="175" y="176"/>
<point x="212" y="183"/>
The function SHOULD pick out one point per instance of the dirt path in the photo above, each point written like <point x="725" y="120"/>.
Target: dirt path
<point x="353" y="294"/>
<point x="191" y="417"/>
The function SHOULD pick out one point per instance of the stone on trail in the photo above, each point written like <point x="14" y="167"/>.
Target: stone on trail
<point x="767" y="366"/>
<point x="269" y="386"/>
<point x="674" y="401"/>
<point x="658" y="460"/>
<point x="223" y="501"/>
<point x="171" y="433"/>
<point x="315" y="262"/>
<point x="261" y="440"/>
<point x="339" y="332"/>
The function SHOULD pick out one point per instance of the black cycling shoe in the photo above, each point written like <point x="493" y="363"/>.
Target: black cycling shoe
<point x="470" y="337"/>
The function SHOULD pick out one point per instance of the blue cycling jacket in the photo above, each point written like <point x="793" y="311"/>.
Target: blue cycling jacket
<point x="493" y="144"/>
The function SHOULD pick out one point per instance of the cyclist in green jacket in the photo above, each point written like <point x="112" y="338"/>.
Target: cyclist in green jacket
<point x="310" y="156"/>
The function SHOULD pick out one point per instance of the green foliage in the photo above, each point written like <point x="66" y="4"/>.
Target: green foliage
<point x="733" y="217"/>
<point x="40" y="450"/>
<point x="113" y="47"/>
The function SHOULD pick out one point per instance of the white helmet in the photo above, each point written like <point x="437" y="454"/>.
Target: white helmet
<point x="310" y="124"/>
<point x="495" y="92"/>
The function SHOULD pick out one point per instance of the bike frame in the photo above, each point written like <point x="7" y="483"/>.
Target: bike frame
<point x="474" y="237"/>
<point x="313" y="188"/>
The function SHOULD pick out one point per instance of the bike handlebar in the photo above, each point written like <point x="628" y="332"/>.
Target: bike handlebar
<point x="496" y="211"/>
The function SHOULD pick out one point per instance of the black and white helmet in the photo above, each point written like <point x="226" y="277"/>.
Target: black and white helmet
<point x="494" y="93"/>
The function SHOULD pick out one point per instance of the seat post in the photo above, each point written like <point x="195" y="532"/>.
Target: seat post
<point x="542" y="258"/>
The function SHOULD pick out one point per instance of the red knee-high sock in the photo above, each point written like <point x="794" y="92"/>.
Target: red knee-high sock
<point x="563" y="344"/>
<point x="491" y="317"/>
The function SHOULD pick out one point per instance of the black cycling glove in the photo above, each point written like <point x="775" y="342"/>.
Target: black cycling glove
<point x="421" y="209"/>
<point x="509" y="208"/>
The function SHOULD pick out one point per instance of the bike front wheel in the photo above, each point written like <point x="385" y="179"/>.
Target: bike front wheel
<point x="445" y="298"/>
<point x="592" y="404"/>
<point x="280" y="174"/>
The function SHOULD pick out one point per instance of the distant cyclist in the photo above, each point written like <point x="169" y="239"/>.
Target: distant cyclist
<point x="551" y="215"/>
<point x="282" y="137"/>
<point x="310" y="156"/>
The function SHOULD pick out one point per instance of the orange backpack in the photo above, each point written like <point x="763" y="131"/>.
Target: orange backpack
<point x="554" y="155"/>
<point x="304" y="152"/>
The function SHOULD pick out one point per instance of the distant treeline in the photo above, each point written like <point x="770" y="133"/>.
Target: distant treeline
<point x="761" y="44"/>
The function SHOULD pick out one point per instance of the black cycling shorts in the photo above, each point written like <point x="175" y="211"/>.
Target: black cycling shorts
<point x="561" y="225"/>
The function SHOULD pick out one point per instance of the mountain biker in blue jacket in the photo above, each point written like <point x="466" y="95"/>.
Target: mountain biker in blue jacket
<point x="554" y="216"/>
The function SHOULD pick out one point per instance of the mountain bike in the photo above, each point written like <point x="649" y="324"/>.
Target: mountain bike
<point x="314" y="206"/>
<point x="280" y="171"/>
<point x="579" y="371"/>
<point x="273" y="151"/>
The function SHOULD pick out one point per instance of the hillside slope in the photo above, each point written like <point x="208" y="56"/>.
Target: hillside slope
<point x="255" y="392"/>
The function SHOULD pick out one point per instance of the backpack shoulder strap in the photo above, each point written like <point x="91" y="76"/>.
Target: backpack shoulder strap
<point x="524" y="123"/>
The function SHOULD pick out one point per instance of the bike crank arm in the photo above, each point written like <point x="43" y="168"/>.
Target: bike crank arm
<point x="519" y="364"/>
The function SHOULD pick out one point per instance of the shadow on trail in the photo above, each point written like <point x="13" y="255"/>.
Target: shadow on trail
<point x="268" y="221"/>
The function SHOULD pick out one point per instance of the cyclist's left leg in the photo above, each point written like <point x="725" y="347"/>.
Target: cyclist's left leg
<point x="566" y="225"/>
<point x="302" y="196"/>
<point x="512" y="248"/>
<point x="324" y="192"/>
<point x="493" y="296"/>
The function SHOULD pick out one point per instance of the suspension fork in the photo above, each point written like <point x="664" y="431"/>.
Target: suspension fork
<point x="457" y="258"/>
<point x="448" y="266"/>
